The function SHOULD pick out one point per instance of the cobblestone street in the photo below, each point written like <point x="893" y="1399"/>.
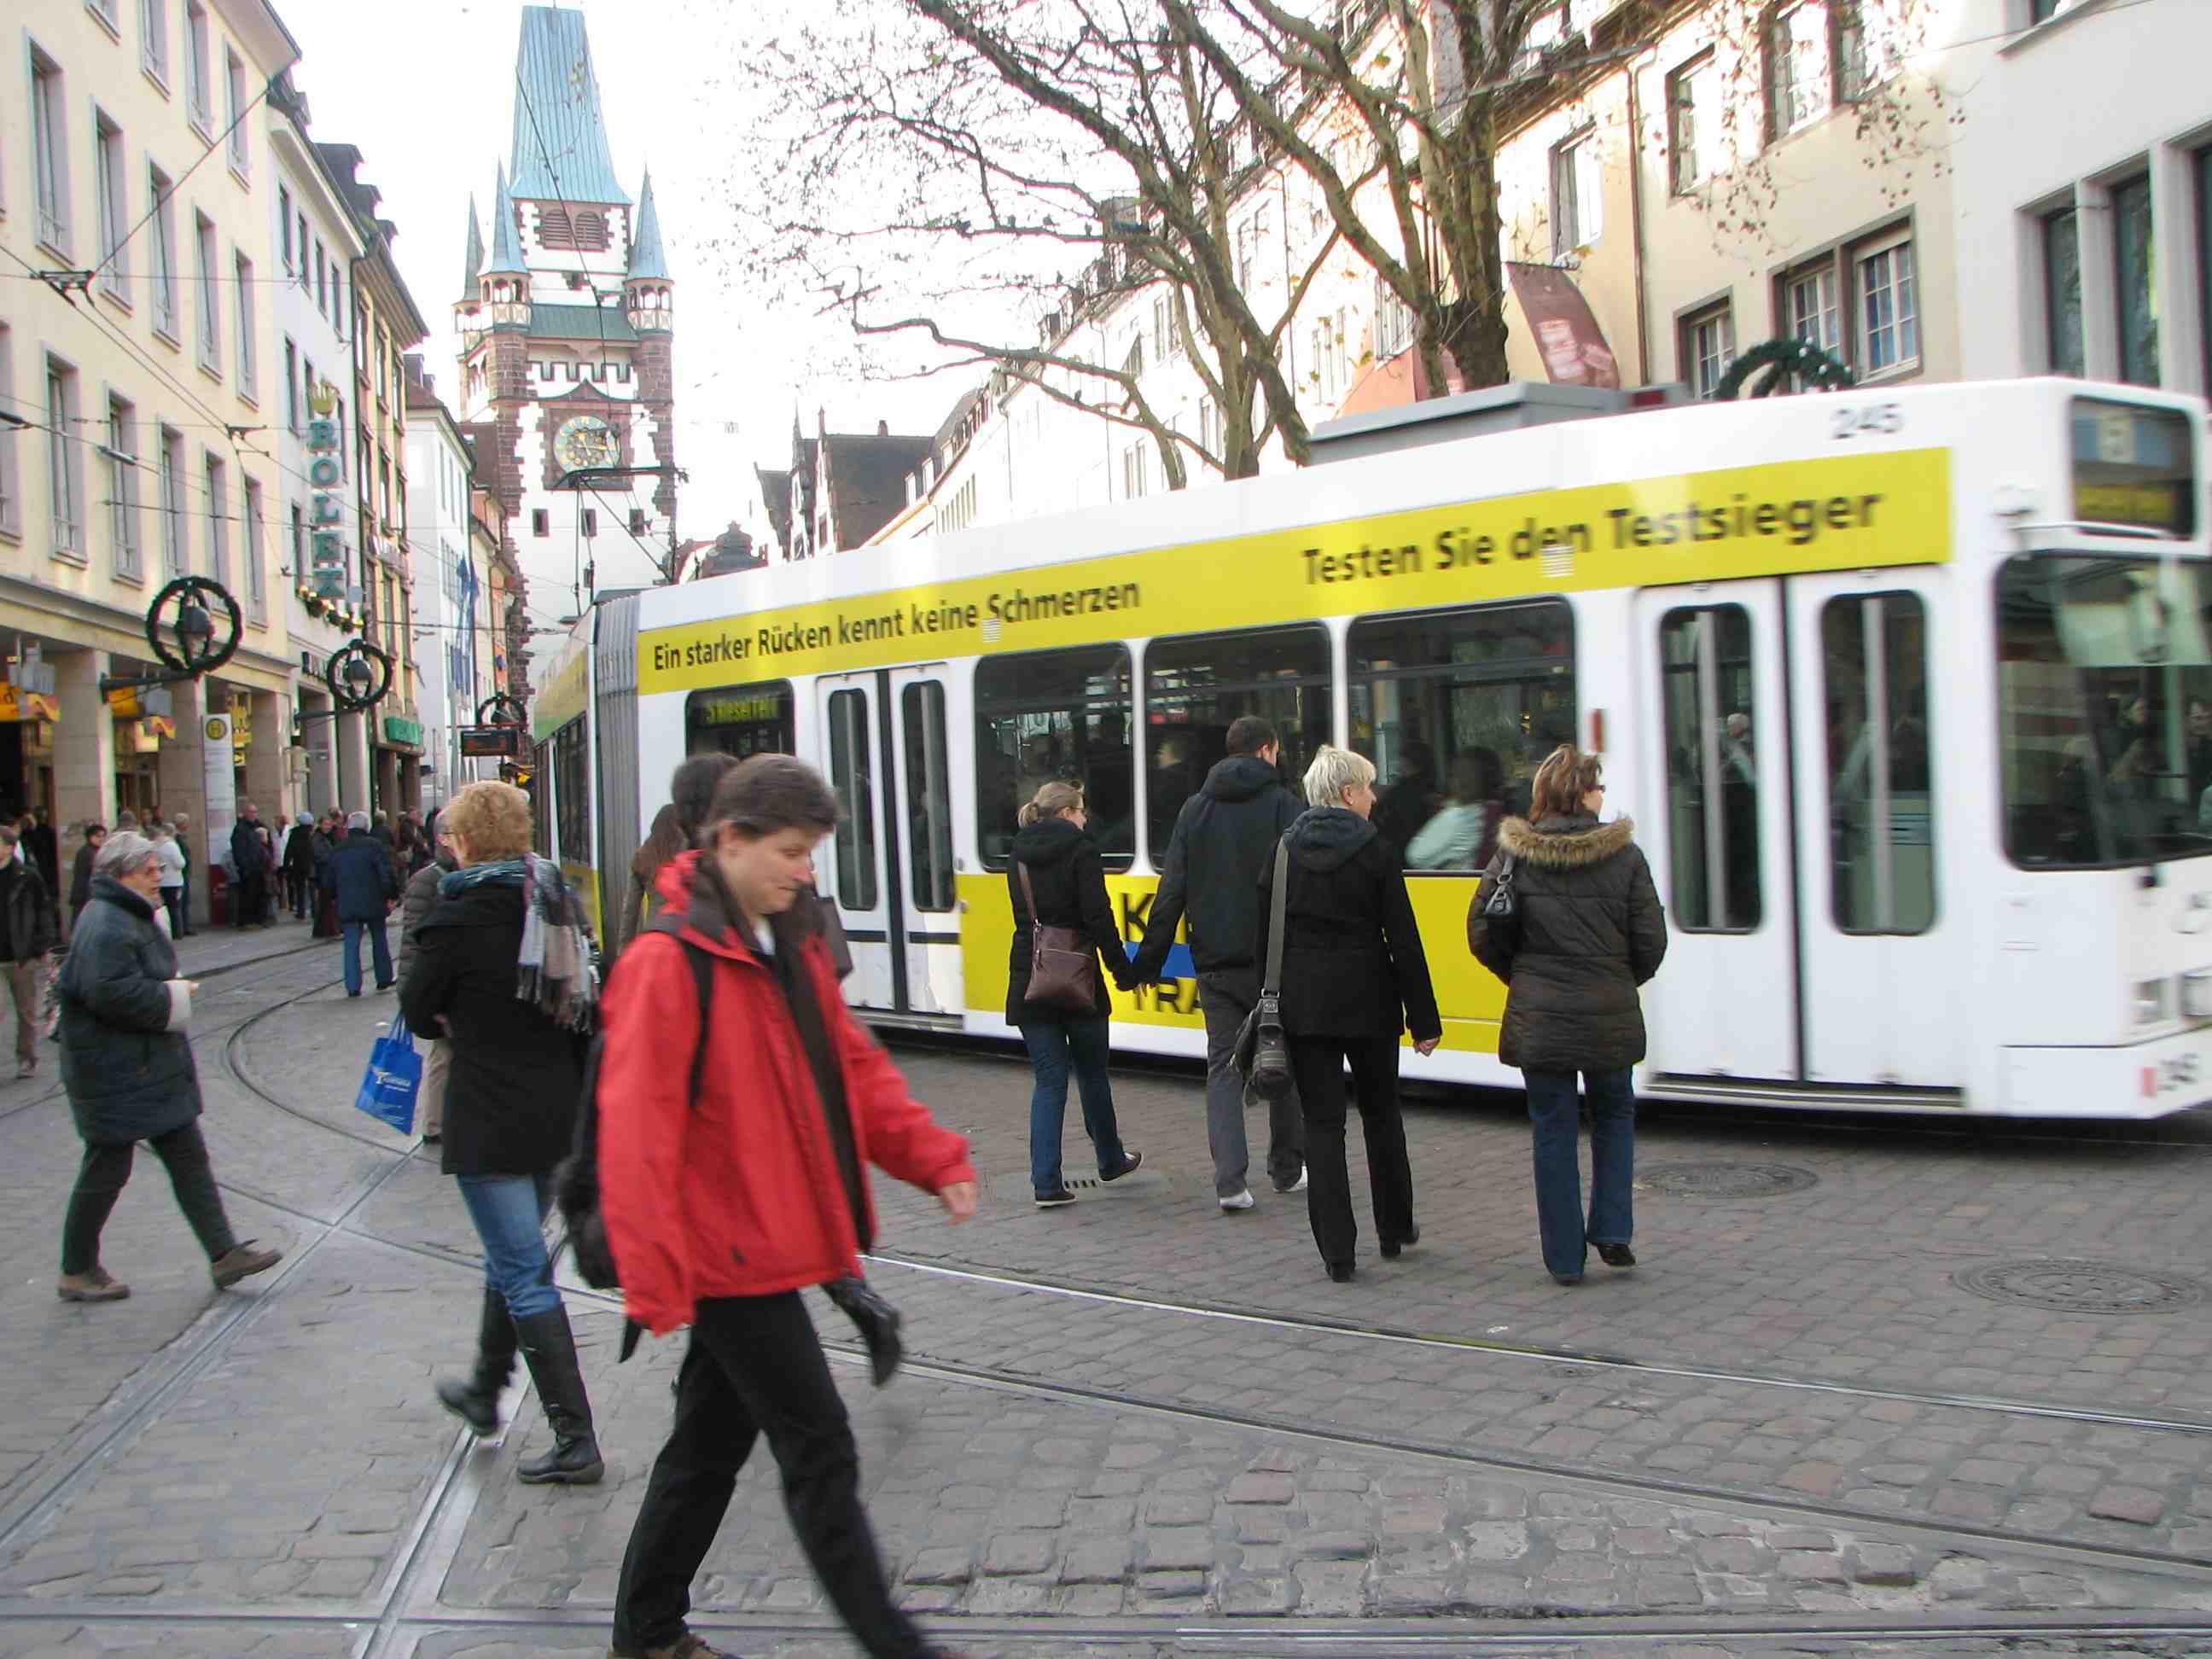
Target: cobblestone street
<point x="1803" y="1425"/>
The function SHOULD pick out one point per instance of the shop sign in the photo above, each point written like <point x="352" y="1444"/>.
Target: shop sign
<point x="326" y="507"/>
<point x="398" y="728"/>
<point x="19" y="705"/>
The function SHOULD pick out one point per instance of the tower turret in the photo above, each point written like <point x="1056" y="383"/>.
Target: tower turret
<point x="504" y="283"/>
<point x="468" y="310"/>
<point x="648" y="289"/>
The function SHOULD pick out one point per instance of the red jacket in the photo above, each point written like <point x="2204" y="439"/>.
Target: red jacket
<point x="738" y="1192"/>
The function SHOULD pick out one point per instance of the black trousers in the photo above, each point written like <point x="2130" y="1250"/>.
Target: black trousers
<point x="755" y="1367"/>
<point x="248" y="899"/>
<point x="101" y="1180"/>
<point x="1317" y="1066"/>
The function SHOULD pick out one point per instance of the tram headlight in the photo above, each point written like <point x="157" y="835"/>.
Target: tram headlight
<point x="2151" y="1001"/>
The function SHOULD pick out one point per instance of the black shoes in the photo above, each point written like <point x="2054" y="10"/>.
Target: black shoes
<point x="475" y="1401"/>
<point x="876" y="1321"/>
<point x="1130" y="1163"/>
<point x="1392" y="1246"/>
<point x="549" y="1348"/>
<point x="1341" y="1272"/>
<point x="1054" y="1199"/>
<point x="1615" y="1255"/>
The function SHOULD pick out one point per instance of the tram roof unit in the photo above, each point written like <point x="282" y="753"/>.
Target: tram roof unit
<point x="1648" y="498"/>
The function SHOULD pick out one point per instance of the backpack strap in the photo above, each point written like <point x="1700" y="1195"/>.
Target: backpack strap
<point x="702" y="977"/>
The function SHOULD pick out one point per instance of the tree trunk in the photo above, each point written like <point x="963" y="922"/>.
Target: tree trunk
<point x="1474" y="329"/>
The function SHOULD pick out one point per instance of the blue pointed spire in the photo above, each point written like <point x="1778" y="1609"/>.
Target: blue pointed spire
<point x="647" y="261"/>
<point x="560" y="151"/>
<point x="475" y="251"/>
<point x="506" y="243"/>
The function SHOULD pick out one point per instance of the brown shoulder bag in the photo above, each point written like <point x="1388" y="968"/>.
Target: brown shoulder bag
<point x="1063" y="965"/>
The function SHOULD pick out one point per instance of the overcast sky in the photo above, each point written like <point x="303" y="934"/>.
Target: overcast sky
<point x="425" y="89"/>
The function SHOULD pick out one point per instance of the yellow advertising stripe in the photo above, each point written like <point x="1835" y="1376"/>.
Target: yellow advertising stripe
<point x="1841" y="513"/>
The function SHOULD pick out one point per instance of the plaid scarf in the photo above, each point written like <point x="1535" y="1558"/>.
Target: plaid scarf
<point x="555" y="968"/>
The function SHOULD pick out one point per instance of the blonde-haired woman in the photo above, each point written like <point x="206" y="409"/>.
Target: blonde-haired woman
<point x="1587" y="931"/>
<point x="1055" y="876"/>
<point x="1354" y="978"/>
<point x="502" y="967"/>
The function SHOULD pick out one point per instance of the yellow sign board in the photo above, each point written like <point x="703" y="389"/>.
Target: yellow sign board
<point x="1843" y="513"/>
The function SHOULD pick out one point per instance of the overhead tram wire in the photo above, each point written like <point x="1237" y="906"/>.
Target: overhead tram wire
<point x="162" y="202"/>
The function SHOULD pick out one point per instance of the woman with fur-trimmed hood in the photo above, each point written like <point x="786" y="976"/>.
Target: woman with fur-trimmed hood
<point x="1587" y="930"/>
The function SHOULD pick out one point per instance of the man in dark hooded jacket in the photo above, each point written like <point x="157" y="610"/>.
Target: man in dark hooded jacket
<point x="1224" y="837"/>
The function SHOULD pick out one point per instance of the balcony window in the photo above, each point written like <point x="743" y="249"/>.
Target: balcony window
<point x="162" y="231"/>
<point x="154" y="39"/>
<point x="175" y="557"/>
<point x="242" y="270"/>
<point x="241" y="134"/>
<point x="210" y="319"/>
<point x="121" y="454"/>
<point x="50" y="151"/>
<point x="199" y="102"/>
<point x="2062" y="293"/>
<point x="2136" y="266"/>
<point x="112" y="194"/>
<point x="65" y="490"/>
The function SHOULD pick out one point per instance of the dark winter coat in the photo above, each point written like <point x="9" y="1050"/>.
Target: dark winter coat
<point x="1353" y="962"/>
<point x="1071" y="892"/>
<point x="1588" y="930"/>
<point x="126" y="1061"/>
<point x="415" y="904"/>
<point x="512" y="1089"/>
<point x="80" y="893"/>
<point x="1223" y="835"/>
<point x="28" y="928"/>
<point x="249" y="857"/>
<point x="299" y="851"/>
<point x="360" y="873"/>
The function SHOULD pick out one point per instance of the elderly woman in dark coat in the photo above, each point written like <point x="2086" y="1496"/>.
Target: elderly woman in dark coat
<point x="127" y="1066"/>
<point x="1587" y="930"/>
<point x="1354" y="978"/>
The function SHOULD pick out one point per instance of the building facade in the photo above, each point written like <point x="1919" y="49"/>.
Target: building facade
<point x="447" y="588"/>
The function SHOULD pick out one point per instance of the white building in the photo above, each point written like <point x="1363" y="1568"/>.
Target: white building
<point x="448" y="586"/>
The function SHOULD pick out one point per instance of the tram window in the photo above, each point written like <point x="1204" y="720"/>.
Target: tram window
<point x="1056" y="714"/>
<point x="1193" y="688"/>
<point x="2105" y="709"/>
<point x="854" y="780"/>
<point x="572" y="796"/>
<point x="1882" y="823"/>
<point x="1457" y="709"/>
<point x="929" y="791"/>
<point x="541" y="798"/>
<point x="1712" y="769"/>
<point x="739" y="719"/>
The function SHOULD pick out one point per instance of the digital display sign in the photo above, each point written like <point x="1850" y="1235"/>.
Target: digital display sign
<point x="2134" y="466"/>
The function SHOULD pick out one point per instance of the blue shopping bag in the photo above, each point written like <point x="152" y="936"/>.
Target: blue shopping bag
<point x="395" y="1073"/>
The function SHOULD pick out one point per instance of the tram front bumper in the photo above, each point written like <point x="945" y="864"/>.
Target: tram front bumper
<point x="2138" y="1079"/>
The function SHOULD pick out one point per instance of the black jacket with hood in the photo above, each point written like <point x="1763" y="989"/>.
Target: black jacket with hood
<point x="1071" y="892"/>
<point x="1588" y="930"/>
<point x="1224" y="835"/>
<point x="1353" y="962"/>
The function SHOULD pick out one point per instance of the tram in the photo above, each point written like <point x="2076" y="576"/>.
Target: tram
<point x="1908" y="691"/>
<point x="563" y="798"/>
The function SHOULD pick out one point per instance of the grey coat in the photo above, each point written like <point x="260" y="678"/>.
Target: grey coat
<point x="126" y="1061"/>
<point x="415" y="903"/>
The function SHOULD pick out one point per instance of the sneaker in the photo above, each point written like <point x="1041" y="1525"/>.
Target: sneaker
<point x="686" y="1646"/>
<point x="241" y="1261"/>
<point x="25" y="1068"/>
<point x="1297" y="1186"/>
<point x="1054" y="1199"/>
<point x="1238" y="1200"/>
<point x="1130" y="1163"/>
<point x="92" y="1285"/>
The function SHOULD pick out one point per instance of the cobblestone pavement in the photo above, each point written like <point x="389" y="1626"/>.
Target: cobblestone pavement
<point x="264" y="1471"/>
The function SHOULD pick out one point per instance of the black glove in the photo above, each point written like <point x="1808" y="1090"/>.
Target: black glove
<point x="877" y="1321"/>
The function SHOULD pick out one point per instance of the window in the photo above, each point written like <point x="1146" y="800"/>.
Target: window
<point x="1247" y="243"/>
<point x="1693" y="120"/>
<point x="284" y="228"/>
<point x="1056" y="715"/>
<point x="929" y="796"/>
<point x="853" y="779"/>
<point x="740" y="720"/>
<point x="1394" y="323"/>
<point x="11" y="481"/>
<point x="1796" y="67"/>
<point x="66" y="489"/>
<point x="105" y="10"/>
<point x="242" y="270"/>
<point x="958" y="509"/>
<point x="571" y="791"/>
<point x="1209" y="426"/>
<point x="591" y="522"/>
<point x="292" y="402"/>
<point x="1708" y="347"/>
<point x="164" y="228"/>
<point x="322" y="280"/>
<point x="173" y="556"/>
<point x="1712" y="769"/>
<point x="591" y="231"/>
<point x="50" y="151"/>
<point x="637" y="521"/>
<point x="1889" y="309"/>
<point x="1461" y="705"/>
<point x="154" y="39"/>
<point x="256" y="584"/>
<point x="540" y="525"/>
<point x="233" y="77"/>
<point x="211" y="331"/>
<point x="121" y="454"/>
<point x="299" y="543"/>
<point x="218" y="522"/>
<point x="111" y="190"/>
<point x="2042" y="11"/>
<point x="2136" y="267"/>
<point x="1882" y="836"/>
<point x="2062" y="293"/>
<point x="1134" y="481"/>
<point x="1196" y="685"/>
<point x="1578" y="195"/>
<point x="1810" y="309"/>
<point x="1869" y="47"/>
<point x="299" y="251"/>
<point x="198" y="101"/>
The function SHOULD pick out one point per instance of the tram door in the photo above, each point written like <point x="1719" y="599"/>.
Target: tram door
<point x="856" y="866"/>
<point x="930" y="935"/>
<point x="1716" y="829"/>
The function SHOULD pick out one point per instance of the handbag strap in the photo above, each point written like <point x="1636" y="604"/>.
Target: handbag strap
<point x="1029" y="893"/>
<point x="1272" y="985"/>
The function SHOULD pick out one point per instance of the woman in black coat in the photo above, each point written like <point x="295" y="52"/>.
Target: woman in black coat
<point x="1054" y="859"/>
<point x="512" y="1080"/>
<point x="127" y="1065"/>
<point x="1354" y="978"/>
<point x="1587" y="931"/>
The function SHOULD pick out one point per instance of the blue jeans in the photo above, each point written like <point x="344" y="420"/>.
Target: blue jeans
<point x="1054" y="1048"/>
<point x="381" y="950"/>
<point x="1558" y="1171"/>
<point x="509" y="1213"/>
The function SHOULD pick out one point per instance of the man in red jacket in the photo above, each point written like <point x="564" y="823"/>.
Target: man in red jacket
<point x="721" y="1205"/>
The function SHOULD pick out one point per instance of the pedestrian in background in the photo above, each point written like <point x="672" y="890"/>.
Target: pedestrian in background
<point x="415" y="903"/>
<point x="514" y="1003"/>
<point x="300" y="865"/>
<point x="249" y="867"/>
<point x="723" y="1201"/>
<point x="181" y="827"/>
<point x="358" y="879"/>
<point x="1587" y="930"/>
<point x="172" y="854"/>
<point x="330" y="830"/>
<point x="1354" y="978"/>
<point x="80" y="893"/>
<point x="1224" y="837"/>
<point x="1053" y="879"/>
<point x="120" y="995"/>
<point x="675" y="829"/>
<point x="28" y="929"/>
<point x="45" y="846"/>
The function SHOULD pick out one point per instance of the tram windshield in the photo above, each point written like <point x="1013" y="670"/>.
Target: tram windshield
<point x="2105" y="709"/>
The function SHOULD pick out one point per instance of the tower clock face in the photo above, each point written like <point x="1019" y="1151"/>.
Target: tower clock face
<point x="586" y="440"/>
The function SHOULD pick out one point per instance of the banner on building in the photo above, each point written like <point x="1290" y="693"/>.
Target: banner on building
<point x="1566" y="331"/>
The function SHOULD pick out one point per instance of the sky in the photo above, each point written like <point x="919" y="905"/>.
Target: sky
<point x="425" y="89"/>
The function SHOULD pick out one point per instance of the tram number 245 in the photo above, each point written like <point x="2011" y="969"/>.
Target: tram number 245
<point x="1865" y="421"/>
<point x="2163" y="1079"/>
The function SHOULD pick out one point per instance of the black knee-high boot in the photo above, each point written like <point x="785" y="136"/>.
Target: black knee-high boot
<point x="476" y="1401"/>
<point x="549" y="1348"/>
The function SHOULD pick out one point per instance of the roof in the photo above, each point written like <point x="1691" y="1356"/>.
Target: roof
<point x="505" y="240"/>
<point x="581" y="323"/>
<point x="647" y="261"/>
<point x="475" y="251"/>
<point x="560" y="151"/>
<point x="775" y="495"/>
<point x="867" y="480"/>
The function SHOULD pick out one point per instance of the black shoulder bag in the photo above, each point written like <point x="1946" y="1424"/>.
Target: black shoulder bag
<point x="1263" y="1053"/>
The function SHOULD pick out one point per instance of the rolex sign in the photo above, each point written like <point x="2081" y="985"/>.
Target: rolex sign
<point x="326" y="512"/>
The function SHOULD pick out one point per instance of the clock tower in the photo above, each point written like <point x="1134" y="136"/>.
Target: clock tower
<point x="566" y="328"/>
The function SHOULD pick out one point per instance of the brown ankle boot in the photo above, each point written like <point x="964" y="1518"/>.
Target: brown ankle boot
<point x="241" y="1261"/>
<point x="91" y="1286"/>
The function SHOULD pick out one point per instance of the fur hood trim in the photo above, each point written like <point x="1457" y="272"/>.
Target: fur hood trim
<point x="1555" y="847"/>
